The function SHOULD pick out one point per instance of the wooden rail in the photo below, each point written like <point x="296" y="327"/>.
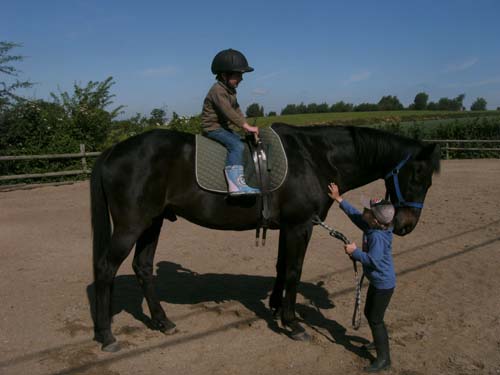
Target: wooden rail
<point x="447" y="148"/>
<point x="83" y="155"/>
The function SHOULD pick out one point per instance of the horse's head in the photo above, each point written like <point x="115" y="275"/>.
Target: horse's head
<point x="407" y="185"/>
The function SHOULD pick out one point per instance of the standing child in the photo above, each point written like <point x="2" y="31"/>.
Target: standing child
<point x="220" y="109"/>
<point x="378" y="267"/>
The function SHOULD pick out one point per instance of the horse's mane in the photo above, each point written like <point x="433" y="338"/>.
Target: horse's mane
<point x="382" y="145"/>
<point x="373" y="146"/>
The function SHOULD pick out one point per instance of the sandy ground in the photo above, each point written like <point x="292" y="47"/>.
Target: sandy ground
<point x="444" y="317"/>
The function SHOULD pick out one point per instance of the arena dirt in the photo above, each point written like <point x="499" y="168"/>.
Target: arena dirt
<point x="444" y="317"/>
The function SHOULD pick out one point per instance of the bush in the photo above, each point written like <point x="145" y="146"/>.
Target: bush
<point x="41" y="127"/>
<point x="484" y="128"/>
<point x="37" y="127"/>
<point x="186" y="124"/>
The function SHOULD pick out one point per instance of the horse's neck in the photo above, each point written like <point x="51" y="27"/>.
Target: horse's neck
<point x="351" y="157"/>
<point x="372" y="162"/>
<point x="355" y="173"/>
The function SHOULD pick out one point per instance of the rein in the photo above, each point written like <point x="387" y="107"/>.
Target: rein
<point x="356" y="316"/>
<point x="400" y="199"/>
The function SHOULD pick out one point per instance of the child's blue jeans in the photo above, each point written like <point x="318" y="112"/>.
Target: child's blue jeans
<point x="232" y="142"/>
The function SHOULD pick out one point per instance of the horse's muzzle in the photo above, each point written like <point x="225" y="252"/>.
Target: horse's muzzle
<point x="406" y="220"/>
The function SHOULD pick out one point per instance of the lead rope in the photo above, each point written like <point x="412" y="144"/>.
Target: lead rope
<point x="356" y="316"/>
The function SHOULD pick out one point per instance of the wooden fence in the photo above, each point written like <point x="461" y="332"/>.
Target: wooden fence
<point x="445" y="146"/>
<point x="82" y="155"/>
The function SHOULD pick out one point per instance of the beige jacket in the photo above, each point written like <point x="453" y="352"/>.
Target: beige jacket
<point x="220" y="108"/>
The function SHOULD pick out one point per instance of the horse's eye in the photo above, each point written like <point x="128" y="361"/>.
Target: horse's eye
<point x="419" y="169"/>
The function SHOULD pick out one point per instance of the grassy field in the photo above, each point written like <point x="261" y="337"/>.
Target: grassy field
<point x="368" y="118"/>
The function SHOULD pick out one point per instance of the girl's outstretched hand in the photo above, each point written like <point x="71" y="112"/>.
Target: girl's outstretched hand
<point x="334" y="192"/>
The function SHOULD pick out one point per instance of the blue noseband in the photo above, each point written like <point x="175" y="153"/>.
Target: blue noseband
<point x="400" y="200"/>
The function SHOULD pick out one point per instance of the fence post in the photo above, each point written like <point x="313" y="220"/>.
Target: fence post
<point x="84" y="160"/>
<point x="447" y="151"/>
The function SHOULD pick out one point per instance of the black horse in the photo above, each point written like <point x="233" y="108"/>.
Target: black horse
<point x="143" y="180"/>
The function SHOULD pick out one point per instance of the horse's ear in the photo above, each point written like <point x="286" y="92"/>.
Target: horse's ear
<point x="432" y="153"/>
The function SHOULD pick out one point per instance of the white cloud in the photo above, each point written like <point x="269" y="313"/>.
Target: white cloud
<point x="458" y="67"/>
<point x="484" y="82"/>
<point x="260" y="92"/>
<point x="268" y="76"/>
<point x="162" y="71"/>
<point x="358" y="77"/>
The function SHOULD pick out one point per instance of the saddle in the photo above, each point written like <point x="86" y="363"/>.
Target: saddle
<point x="265" y="165"/>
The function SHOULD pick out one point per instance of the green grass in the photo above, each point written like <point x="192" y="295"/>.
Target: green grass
<point x="368" y="118"/>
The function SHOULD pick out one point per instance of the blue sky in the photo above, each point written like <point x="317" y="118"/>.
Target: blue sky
<point x="159" y="52"/>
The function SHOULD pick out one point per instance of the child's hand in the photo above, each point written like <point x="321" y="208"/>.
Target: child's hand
<point x="250" y="128"/>
<point x="334" y="192"/>
<point x="349" y="248"/>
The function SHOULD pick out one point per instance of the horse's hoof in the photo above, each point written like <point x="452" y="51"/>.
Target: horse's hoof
<point x="111" y="348"/>
<point x="301" y="336"/>
<point x="166" y="326"/>
<point x="298" y="333"/>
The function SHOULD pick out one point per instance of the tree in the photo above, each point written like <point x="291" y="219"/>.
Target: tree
<point x="479" y="105"/>
<point x="271" y="114"/>
<point x="255" y="110"/>
<point x="290" y="109"/>
<point x="341" y="107"/>
<point x="420" y="101"/>
<point x="456" y="104"/>
<point x="389" y="103"/>
<point x="8" y="88"/>
<point x="432" y="106"/>
<point x="312" y="108"/>
<point x="323" y="108"/>
<point x="301" y="108"/>
<point x="366" y="107"/>
<point x="158" y="117"/>
<point x="87" y="107"/>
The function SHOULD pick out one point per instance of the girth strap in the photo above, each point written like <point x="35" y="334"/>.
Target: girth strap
<point x="262" y="169"/>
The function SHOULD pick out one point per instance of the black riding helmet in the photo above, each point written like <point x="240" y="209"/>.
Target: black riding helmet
<point x="230" y="60"/>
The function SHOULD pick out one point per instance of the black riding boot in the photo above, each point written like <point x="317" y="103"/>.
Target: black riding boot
<point x="381" y="341"/>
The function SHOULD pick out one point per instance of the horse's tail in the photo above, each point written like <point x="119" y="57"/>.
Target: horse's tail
<point x="101" y="224"/>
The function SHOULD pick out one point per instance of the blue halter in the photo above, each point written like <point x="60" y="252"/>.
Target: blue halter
<point x="400" y="200"/>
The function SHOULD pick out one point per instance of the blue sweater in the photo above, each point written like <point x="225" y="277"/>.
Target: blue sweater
<point x="376" y="256"/>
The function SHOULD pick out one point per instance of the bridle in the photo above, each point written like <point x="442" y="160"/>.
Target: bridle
<point x="400" y="202"/>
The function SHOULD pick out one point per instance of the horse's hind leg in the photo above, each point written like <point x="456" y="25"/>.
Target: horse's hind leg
<point x="143" y="267"/>
<point x="120" y="246"/>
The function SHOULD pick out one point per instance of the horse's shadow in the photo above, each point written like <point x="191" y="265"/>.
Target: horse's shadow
<point x="178" y="285"/>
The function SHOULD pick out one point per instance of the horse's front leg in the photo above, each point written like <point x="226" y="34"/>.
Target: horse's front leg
<point x="296" y="238"/>
<point x="276" y="299"/>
